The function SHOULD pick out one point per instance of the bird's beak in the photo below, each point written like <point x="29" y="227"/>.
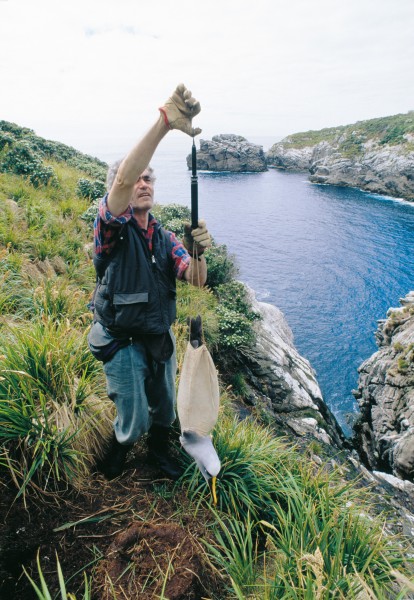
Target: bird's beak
<point x="212" y="486"/>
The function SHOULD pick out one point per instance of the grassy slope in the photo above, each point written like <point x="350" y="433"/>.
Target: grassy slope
<point x="284" y="526"/>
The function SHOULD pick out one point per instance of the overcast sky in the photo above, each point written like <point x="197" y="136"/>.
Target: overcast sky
<point x="93" y="73"/>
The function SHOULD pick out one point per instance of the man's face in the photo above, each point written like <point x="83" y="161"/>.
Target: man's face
<point x="143" y="193"/>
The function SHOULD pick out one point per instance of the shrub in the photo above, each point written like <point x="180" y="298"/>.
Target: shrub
<point x="21" y="160"/>
<point x="398" y="347"/>
<point x="351" y="146"/>
<point x="235" y="330"/>
<point x="169" y="212"/>
<point x="43" y="175"/>
<point x="221" y="266"/>
<point x="233" y="295"/>
<point x="10" y="133"/>
<point x="176" y="226"/>
<point x="90" y="214"/>
<point x="5" y="139"/>
<point x="91" y="166"/>
<point x="403" y="365"/>
<point x="16" y="131"/>
<point x="90" y="189"/>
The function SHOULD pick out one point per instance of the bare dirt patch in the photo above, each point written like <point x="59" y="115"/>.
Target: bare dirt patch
<point x="138" y="522"/>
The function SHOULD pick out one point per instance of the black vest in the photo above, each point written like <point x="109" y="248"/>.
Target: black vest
<point x="136" y="291"/>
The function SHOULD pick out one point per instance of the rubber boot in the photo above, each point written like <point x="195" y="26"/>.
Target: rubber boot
<point x="112" y="465"/>
<point x="159" y="453"/>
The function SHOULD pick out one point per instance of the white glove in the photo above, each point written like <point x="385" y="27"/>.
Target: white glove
<point x="179" y="110"/>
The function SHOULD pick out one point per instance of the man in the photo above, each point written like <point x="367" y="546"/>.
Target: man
<point x="137" y="263"/>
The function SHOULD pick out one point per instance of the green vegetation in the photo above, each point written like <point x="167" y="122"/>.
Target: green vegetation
<point x="231" y="317"/>
<point x="11" y="134"/>
<point x="43" y="592"/>
<point x="391" y="130"/>
<point x="284" y="527"/>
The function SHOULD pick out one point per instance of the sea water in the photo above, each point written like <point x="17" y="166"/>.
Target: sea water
<point x="332" y="259"/>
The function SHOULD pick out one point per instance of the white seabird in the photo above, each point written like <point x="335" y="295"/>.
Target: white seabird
<point x="198" y="408"/>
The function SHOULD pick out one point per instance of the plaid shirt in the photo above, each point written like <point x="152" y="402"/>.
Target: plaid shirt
<point x="106" y="226"/>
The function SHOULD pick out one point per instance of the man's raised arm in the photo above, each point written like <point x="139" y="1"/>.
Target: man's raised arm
<point x="177" y="113"/>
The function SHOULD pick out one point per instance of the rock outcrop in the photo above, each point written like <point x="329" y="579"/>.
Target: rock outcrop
<point x="228" y="152"/>
<point x="383" y="170"/>
<point x="384" y="433"/>
<point x="343" y="159"/>
<point x="282" y="156"/>
<point x="283" y="382"/>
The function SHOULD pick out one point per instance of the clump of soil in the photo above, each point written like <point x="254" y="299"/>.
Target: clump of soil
<point x="148" y="559"/>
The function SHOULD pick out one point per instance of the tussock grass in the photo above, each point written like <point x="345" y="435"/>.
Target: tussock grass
<point x="253" y="466"/>
<point x="43" y="222"/>
<point x="57" y="299"/>
<point x="289" y="529"/>
<point x="54" y="417"/>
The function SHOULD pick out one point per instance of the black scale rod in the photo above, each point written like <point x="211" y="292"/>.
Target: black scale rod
<point x="194" y="188"/>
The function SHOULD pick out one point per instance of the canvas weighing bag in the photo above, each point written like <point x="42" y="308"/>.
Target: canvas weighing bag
<point x="198" y="391"/>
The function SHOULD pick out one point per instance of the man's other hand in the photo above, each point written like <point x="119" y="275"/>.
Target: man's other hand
<point x="196" y="240"/>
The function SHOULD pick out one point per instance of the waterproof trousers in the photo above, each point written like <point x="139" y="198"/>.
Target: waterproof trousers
<point x="143" y="391"/>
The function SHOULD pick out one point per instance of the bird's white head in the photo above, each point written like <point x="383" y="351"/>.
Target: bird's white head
<point x="201" y="449"/>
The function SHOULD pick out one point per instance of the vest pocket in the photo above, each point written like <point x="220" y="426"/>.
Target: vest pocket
<point x="131" y="310"/>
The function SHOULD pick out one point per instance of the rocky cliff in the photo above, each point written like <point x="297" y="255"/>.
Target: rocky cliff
<point x="228" y="152"/>
<point x="384" y="434"/>
<point x="282" y="382"/>
<point x="376" y="155"/>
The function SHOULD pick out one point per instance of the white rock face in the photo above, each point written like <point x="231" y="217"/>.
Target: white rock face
<point x="275" y="340"/>
<point x="286" y="379"/>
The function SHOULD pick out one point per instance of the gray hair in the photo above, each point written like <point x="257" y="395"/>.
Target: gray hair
<point x="113" y="170"/>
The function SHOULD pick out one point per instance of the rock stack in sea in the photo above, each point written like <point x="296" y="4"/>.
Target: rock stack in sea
<point x="384" y="434"/>
<point x="229" y="152"/>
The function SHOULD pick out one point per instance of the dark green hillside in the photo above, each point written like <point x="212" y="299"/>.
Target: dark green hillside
<point x="24" y="153"/>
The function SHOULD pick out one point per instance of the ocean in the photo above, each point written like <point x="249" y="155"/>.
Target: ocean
<point x="332" y="259"/>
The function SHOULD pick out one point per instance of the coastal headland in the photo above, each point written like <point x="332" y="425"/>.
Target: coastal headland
<point x="375" y="155"/>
